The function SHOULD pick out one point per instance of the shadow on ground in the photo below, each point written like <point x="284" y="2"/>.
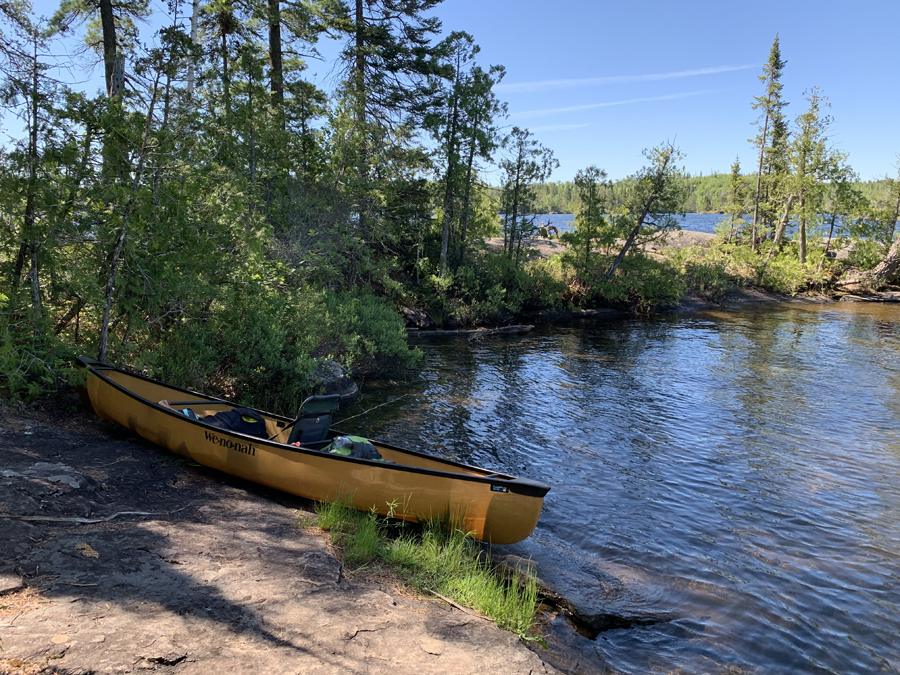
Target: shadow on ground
<point x="218" y="576"/>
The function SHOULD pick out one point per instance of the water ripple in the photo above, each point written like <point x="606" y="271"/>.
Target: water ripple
<point x="736" y="472"/>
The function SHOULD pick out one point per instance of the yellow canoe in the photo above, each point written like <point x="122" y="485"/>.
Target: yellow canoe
<point x="411" y="485"/>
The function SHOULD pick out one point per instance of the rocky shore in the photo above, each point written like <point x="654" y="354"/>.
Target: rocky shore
<point x="116" y="557"/>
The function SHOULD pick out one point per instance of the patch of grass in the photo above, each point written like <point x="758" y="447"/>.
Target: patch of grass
<point x="437" y="557"/>
<point x="364" y="542"/>
<point x="336" y="517"/>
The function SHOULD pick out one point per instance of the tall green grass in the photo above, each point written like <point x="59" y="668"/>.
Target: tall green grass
<point x="437" y="557"/>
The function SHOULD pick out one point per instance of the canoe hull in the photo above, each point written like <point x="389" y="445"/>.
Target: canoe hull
<point x="497" y="509"/>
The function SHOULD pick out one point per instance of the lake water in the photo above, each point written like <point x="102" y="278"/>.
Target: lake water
<point x="726" y="486"/>
<point x="697" y="222"/>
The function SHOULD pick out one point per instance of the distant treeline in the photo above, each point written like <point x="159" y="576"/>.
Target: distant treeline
<point x="705" y="194"/>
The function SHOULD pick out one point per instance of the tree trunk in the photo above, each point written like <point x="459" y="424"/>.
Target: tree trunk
<point x="887" y="268"/>
<point x="448" y="179"/>
<point x="515" y="213"/>
<point x="28" y="234"/>
<point x="116" y="254"/>
<point x="110" y="60"/>
<point x="20" y="263"/>
<point x="628" y="243"/>
<point x="69" y="315"/>
<point x="802" y="232"/>
<point x="251" y="202"/>
<point x="875" y="278"/>
<point x="359" y="77"/>
<point x="192" y="66"/>
<point x="646" y="209"/>
<point x="226" y="81"/>
<point x="108" y="294"/>
<point x="35" y="285"/>
<point x="782" y="223"/>
<point x="275" y="57"/>
<point x="779" y="231"/>
<point x="360" y="23"/>
<point x="592" y="204"/>
<point x="828" y="243"/>
<point x="467" y="199"/>
<point x="762" y="151"/>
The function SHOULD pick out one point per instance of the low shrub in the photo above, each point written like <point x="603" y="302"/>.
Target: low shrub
<point x="641" y="284"/>
<point x="706" y="271"/>
<point x="866" y="254"/>
<point x="489" y="288"/>
<point x="260" y="346"/>
<point x="358" y="329"/>
<point x="34" y="362"/>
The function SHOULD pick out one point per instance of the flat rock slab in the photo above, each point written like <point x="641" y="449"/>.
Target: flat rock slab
<point x="219" y="577"/>
<point x="882" y="296"/>
<point x="10" y="581"/>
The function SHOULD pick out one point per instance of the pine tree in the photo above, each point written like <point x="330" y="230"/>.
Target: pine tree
<point x="390" y="66"/>
<point x="812" y="164"/>
<point x="464" y="126"/>
<point x="654" y="195"/>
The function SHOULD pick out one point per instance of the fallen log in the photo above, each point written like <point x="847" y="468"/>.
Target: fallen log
<point x="473" y="333"/>
<point x="440" y="333"/>
<point x="503" y="330"/>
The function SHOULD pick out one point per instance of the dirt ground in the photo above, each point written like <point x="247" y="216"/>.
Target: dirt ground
<point x="116" y="557"/>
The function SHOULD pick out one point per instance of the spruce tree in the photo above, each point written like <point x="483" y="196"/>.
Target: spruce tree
<point x="772" y="137"/>
<point x="591" y="224"/>
<point x="737" y="199"/>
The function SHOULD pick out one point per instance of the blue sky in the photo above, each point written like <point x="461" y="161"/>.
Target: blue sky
<point x="597" y="82"/>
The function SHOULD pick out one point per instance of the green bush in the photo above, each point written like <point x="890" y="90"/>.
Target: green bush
<point x="642" y="284"/>
<point x="260" y="346"/>
<point x="247" y="349"/>
<point x="784" y="274"/>
<point x="33" y="361"/>
<point x="489" y="288"/>
<point x="706" y="271"/>
<point x="866" y="254"/>
<point x="545" y="285"/>
<point x="358" y="329"/>
<point x="778" y="273"/>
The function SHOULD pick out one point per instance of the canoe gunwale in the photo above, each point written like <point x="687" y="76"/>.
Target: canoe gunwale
<point x="521" y="486"/>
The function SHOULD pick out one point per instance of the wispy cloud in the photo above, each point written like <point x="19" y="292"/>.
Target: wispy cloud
<point x="560" y="127"/>
<point x="608" y="104"/>
<point x="526" y="87"/>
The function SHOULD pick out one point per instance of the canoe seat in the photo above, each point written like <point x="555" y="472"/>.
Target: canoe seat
<point x="314" y="419"/>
